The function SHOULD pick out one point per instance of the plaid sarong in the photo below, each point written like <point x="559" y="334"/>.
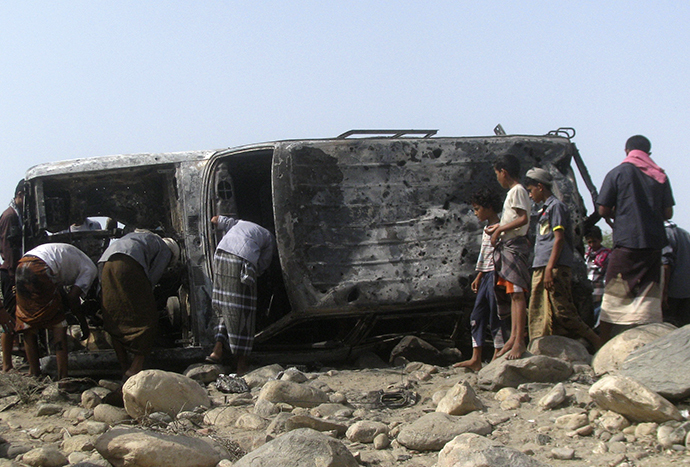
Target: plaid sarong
<point x="510" y="261"/>
<point x="234" y="301"/>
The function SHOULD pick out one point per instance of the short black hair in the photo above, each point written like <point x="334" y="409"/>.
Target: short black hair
<point x="487" y="198"/>
<point x="20" y="188"/>
<point x="638" y="142"/>
<point x="510" y="164"/>
<point x="532" y="182"/>
<point x="595" y="233"/>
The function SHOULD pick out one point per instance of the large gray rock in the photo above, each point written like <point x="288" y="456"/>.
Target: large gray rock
<point x="553" y="398"/>
<point x="472" y="450"/>
<point x="162" y="391"/>
<point x="110" y="414"/>
<point x="130" y="446"/>
<point x="296" y="422"/>
<point x="78" y="443"/>
<point x="663" y="365"/>
<point x="414" y="349"/>
<point x="432" y="431"/>
<point x="46" y="456"/>
<point x="560" y="347"/>
<point x="633" y="400"/>
<point x="365" y="431"/>
<point x="203" y="372"/>
<point x="502" y="373"/>
<point x="222" y="416"/>
<point x="304" y="447"/>
<point x="260" y="376"/>
<point x="609" y="358"/>
<point x="460" y="400"/>
<point x="295" y="394"/>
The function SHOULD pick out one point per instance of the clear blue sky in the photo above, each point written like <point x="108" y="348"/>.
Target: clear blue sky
<point x="90" y="78"/>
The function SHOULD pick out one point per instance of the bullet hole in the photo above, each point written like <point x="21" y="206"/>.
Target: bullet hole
<point x="463" y="253"/>
<point x="353" y="295"/>
<point x="437" y="153"/>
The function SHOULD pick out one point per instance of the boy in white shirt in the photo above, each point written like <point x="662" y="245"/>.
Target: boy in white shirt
<point x="511" y="254"/>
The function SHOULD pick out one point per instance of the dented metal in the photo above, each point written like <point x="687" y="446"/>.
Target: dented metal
<point x="372" y="232"/>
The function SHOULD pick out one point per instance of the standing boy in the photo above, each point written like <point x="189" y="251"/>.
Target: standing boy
<point x="486" y="204"/>
<point x="551" y="308"/>
<point x="597" y="258"/>
<point x="511" y="253"/>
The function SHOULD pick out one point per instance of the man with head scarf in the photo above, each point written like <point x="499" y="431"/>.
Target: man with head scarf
<point x="637" y="196"/>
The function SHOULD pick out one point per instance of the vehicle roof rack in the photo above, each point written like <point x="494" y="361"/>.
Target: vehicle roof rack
<point x="564" y="131"/>
<point x="392" y="133"/>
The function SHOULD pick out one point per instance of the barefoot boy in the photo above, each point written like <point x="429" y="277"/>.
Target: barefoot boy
<point x="551" y="308"/>
<point x="486" y="204"/>
<point x="512" y="251"/>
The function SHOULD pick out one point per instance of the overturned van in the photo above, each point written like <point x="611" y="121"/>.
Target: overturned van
<point x="375" y="233"/>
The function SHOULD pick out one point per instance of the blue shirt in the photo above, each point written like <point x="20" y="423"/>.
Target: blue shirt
<point x="553" y="216"/>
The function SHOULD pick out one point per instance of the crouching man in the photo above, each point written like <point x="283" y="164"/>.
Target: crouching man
<point x="51" y="279"/>
<point x="130" y="267"/>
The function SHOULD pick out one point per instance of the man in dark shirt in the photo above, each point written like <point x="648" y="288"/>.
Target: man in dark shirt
<point x="637" y="195"/>
<point x="11" y="251"/>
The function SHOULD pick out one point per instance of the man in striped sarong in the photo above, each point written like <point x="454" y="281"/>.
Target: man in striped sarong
<point x="243" y="254"/>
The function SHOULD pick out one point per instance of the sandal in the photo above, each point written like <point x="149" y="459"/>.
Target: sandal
<point x="213" y="360"/>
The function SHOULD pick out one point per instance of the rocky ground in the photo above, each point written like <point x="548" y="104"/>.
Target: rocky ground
<point x="549" y="408"/>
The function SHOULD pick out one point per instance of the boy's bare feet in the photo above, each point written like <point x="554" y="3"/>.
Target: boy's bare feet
<point x="506" y="348"/>
<point x="516" y="351"/>
<point x="472" y="364"/>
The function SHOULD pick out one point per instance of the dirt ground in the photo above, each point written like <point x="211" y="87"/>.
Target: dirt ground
<point x="526" y="428"/>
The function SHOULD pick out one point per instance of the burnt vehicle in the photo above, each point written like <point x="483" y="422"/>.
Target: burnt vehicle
<point x="375" y="233"/>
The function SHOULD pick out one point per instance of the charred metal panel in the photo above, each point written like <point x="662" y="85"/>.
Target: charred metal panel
<point x="190" y="177"/>
<point x="377" y="224"/>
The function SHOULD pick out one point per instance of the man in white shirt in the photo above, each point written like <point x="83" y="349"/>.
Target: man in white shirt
<point x="243" y="254"/>
<point x="43" y="275"/>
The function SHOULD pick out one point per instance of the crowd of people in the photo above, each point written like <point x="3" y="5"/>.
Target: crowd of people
<point x="630" y="287"/>
<point x="46" y="285"/>
<point x="523" y="285"/>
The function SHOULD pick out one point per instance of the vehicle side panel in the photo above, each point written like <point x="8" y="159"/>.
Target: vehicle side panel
<point x="380" y="224"/>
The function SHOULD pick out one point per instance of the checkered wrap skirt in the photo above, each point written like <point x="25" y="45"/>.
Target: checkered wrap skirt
<point x="234" y="301"/>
